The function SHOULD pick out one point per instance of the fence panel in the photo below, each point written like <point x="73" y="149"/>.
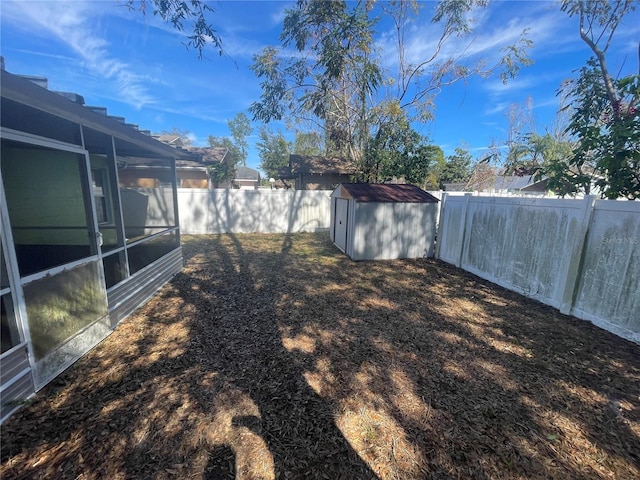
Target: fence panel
<point x="524" y="245"/>
<point x="608" y="292"/>
<point x="248" y="211"/>
<point x="580" y="256"/>
<point x="451" y="228"/>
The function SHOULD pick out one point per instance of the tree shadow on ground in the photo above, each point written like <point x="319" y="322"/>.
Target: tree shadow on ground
<point x="276" y="357"/>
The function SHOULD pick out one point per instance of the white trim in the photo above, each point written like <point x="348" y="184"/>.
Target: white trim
<point x="23" y="343"/>
<point x="14" y="379"/>
<point x="11" y="261"/>
<point x="59" y="269"/>
<point x="154" y="235"/>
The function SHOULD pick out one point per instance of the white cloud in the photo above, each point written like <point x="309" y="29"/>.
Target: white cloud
<point x="494" y="108"/>
<point x="74" y="23"/>
<point x="277" y="17"/>
<point x="494" y="29"/>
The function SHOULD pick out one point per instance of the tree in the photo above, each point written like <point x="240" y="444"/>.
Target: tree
<point x="273" y="150"/>
<point x="457" y="168"/>
<point x="521" y="127"/>
<point x="225" y="171"/>
<point x="240" y="128"/>
<point x="341" y="84"/>
<point x="194" y="13"/>
<point x="607" y="138"/>
<point x="309" y="144"/>
<point x="330" y="94"/>
<point x="604" y="120"/>
<point x="398" y="152"/>
<point x="482" y="175"/>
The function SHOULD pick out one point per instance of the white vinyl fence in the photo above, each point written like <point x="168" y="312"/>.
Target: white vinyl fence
<point x="580" y="256"/>
<point x="247" y="211"/>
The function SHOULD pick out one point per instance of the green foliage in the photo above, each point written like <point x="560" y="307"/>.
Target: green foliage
<point x="338" y="81"/>
<point x="309" y="144"/>
<point x="193" y="13"/>
<point x="534" y="153"/>
<point x="329" y="81"/>
<point x="608" y="134"/>
<point x="398" y="152"/>
<point x="240" y="128"/>
<point x="221" y="174"/>
<point x="457" y="168"/>
<point x="604" y="122"/>
<point x="273" y="150"/>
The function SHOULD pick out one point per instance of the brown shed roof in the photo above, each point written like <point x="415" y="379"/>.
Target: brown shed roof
<point x="387" y="192"/>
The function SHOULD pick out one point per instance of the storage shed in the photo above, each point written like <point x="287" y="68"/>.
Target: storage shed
<point x="383" y="221"/>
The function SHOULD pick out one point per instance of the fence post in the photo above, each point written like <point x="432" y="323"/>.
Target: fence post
<point x="467" y="196"/>
<point x="440" y="231"/>
<point x="576" y="257"/>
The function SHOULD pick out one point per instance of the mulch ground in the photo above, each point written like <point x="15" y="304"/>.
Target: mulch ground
<point x="274" y="356"/>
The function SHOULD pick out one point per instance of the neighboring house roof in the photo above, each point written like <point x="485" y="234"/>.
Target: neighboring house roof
<point x="388" y="192"/>
<point x="308" y="164"/>
<point x="246" y="173"/>
<point x="170" y="139"/>
<point x="209" y="155"/>
<point x="512" y="182"/>
<point x="508" y="183"/>
<point x="539" y="186"/>
<point x="201" y="157"/>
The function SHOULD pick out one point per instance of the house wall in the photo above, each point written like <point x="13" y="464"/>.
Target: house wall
<point x="246" y="211"/>
<point x="192" y="178"/>
<point x="145" y="178"/>
<point x="246" y="184"/>
<point x="320" y="181"/>
<point x="392" y="230"/>
<point x="580" y="256"/>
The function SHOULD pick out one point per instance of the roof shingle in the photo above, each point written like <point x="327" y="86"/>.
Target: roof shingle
<point x="388" y="192"/>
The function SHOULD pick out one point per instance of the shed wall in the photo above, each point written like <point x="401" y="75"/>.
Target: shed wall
<point x="384" y="231"/>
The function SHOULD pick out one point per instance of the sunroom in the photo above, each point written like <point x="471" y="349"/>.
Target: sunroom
<point x="89" y="230"/>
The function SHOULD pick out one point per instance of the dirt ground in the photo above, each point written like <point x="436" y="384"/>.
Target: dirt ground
<point x="274" y="356"/>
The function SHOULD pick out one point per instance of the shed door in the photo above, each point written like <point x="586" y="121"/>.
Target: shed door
<point x="340" y="224"/>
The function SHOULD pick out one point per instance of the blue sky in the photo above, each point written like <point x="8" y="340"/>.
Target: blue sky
<point x="138" y="67"/>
